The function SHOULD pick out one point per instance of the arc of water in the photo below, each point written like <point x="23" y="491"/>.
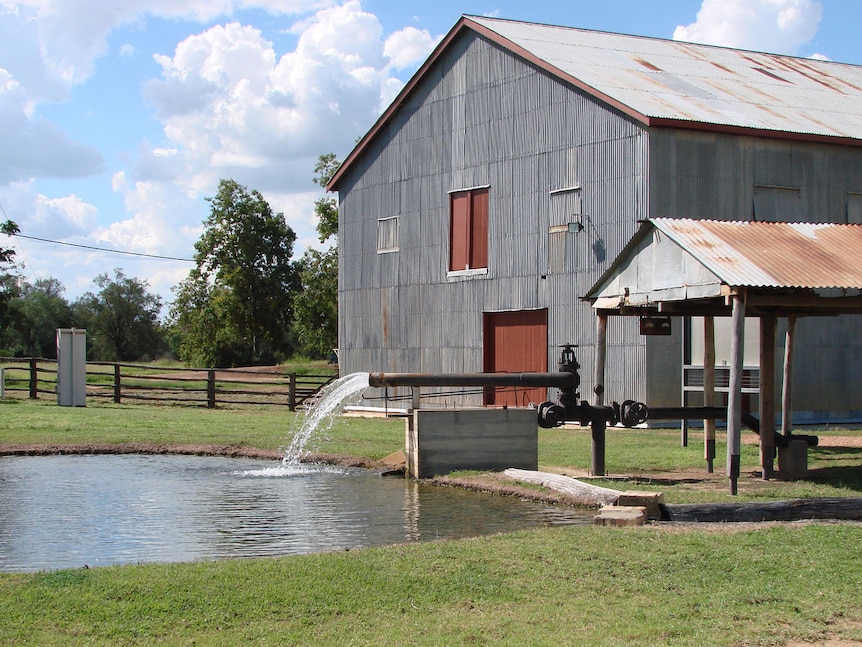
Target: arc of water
<point x="321" y="414"/>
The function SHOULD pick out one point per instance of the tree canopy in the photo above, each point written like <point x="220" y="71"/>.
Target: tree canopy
<point x="36" y="312"/>
<point x="326" y="208"/>
<point x="316" y="318"/>
<point x="8" y="274"/>
<point x="122" y="318"/>
<point x="236" y="305"/>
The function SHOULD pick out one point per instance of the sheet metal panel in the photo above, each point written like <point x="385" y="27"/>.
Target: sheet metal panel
<point x="400" y="311"/>
<point x="699" y="83"/>
<point x="772" y="254"/>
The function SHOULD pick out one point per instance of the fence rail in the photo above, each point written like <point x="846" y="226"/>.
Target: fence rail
<point x="37" y="377"/>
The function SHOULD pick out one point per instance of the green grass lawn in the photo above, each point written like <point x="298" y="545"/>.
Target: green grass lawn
<point x="555" y="586"/>
<point x="655" y="585"/>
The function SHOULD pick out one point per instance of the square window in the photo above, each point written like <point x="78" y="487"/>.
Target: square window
<point x="387" y="235"/>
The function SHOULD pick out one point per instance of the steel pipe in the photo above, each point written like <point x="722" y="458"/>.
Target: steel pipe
<point x="559" y="380"/>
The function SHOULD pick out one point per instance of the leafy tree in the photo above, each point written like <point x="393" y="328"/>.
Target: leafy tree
<point x="326" y="208"/>
<point x="37" y="311"/>
<point x="122" y="319"/>
<point x="316" y="319"/>
<point x="8" y="273"/>
<point x="236" y="306"/>
<point x="317" y="305"/>
<point x="202" y="331"/>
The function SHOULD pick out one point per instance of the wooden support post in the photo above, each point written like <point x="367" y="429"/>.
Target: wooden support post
<point x="598" y="426"/>
<point x="211" y="390"/>
<point x="787" y="383"/>
<point x="118" y="389"/>
<point x="734" y="396"/>
<point x="34" y="379"/>
<point x="709" y="391"/>
<point x="767" y="395"/>
<point x="291" y="391"/>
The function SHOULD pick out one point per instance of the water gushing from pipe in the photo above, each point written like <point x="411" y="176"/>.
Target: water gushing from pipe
<point x="320" y="415"/>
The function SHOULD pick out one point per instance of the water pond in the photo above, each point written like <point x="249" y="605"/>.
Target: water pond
<point x="70" y="511"/>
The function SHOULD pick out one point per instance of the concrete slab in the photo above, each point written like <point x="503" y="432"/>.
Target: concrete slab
<point x="616" y="515"/>
<point x="649" y="500"/>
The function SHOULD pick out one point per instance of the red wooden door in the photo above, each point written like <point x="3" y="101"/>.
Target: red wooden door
<point x="516" y="342"/>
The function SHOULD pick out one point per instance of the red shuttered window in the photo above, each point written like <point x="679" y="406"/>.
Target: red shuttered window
<point x="468" y="230"/>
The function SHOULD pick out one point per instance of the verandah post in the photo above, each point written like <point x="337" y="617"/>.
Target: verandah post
<point x="599" y="424"/>
<point x="734" y="396"/>
<point x="709" y="390"/>
<point x="767" y="395"/>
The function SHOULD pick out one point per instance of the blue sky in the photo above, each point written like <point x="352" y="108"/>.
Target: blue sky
<point x="120" y="116"/>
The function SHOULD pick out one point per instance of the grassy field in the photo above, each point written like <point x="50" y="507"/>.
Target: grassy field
<point x="660" y="585"/>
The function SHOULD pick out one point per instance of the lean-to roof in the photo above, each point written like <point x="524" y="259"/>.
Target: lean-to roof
<point x="789" y="265"/>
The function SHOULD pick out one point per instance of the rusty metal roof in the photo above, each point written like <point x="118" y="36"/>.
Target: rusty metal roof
<point x="772" y="254"/>
<point x="673" y="84"/>
<point x="684" y="82"/>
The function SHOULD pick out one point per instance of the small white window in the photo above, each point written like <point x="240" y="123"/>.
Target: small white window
<point x="387" y="235"/>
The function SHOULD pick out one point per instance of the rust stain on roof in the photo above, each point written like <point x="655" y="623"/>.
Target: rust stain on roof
<point x="773" y="254"/>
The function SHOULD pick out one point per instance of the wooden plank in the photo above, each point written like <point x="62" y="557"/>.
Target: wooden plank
<point x="583" y="493"/>
<point x="792" y="510"/>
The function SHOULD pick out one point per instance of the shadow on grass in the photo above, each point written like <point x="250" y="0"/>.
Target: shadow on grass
<point x="846" y="476"/>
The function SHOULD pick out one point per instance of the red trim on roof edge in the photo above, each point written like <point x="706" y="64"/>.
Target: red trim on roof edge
<point x="466" y="22"/>
<point x="332" y="185"/>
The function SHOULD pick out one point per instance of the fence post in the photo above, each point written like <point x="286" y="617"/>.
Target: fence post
<point x="211" y="391"/>
<point x="291" y="392"/>
<point x="2" y="382"/>
<point x="34" y="379"/>
<point x="118" y="391"/>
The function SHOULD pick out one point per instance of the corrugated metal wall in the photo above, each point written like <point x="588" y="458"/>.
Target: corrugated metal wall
<point x="483" y="117"/>
<point x="729" y="177"/>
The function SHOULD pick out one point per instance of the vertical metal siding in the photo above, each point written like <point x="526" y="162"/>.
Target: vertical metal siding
<point x="487" y="118"/>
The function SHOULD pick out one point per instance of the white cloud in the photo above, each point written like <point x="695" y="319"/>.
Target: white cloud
<point x="409" y="47"/>
<point x="233" y="108"/>
<point x="777" y="26"/>
<point x="71" y="35"/>
<point x="61" y="217"/>
<point x="33" y="147"/>
<point x="230" y="106"/>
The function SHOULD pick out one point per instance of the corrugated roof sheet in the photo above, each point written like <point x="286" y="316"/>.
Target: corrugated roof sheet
<point x="772" y="254"/>
<point x="677" y="81"/>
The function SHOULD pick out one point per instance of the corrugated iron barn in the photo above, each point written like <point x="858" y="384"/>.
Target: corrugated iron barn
<point x="516" y="164"/>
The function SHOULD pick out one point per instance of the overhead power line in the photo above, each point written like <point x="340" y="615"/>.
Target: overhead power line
<point x="110" y="251"/>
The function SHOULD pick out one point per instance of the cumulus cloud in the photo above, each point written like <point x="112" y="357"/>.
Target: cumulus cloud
<point x="233" y="107"/>
<point x="230" y="105"/>
<point x="34" y="147"/>
<point x="777" y="26"/>
<point x="408" y="47"/>
<point x="71" y="35"/>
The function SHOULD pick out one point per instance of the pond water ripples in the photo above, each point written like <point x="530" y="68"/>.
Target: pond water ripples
<point x="71" y="511"/>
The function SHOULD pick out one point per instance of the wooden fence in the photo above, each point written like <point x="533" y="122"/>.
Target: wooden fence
<point x="34" y="377"/>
